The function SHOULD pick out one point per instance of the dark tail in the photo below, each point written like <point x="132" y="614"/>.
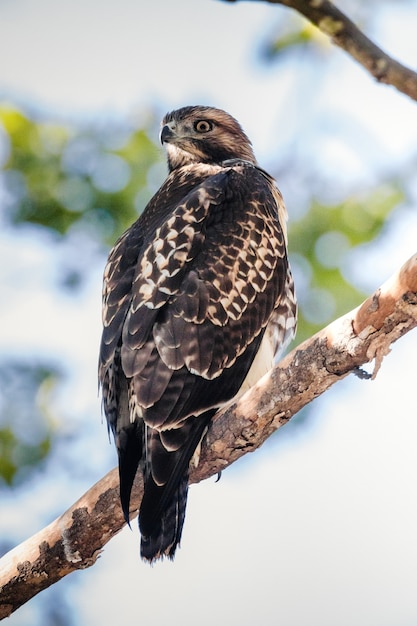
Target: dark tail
<point x="130" y="448"/>
<point x="166" y="532"/>
<point x="162" y="512"/>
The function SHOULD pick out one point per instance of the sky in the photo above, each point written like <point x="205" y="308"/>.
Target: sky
<point x="319" y="527"/>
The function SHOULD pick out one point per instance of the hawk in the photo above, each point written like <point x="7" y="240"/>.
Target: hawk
<point x="198" y="299"/>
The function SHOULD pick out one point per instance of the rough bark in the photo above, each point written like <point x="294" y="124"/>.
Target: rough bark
<point x="343" y="32"/>
<point x="76" y="538"/>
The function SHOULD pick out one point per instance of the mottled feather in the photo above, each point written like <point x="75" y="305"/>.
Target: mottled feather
<point x="193" y="291"/>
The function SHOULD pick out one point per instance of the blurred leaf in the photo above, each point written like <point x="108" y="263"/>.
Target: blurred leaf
<point x="60" y="177"/>
<point x="324" y="241"/>
<point x="26" y="417"/>
<point x="295" y="33"/>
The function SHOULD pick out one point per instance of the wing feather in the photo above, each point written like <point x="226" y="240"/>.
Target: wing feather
<point x="188" y="293"/>
<point x="203" y="306"/>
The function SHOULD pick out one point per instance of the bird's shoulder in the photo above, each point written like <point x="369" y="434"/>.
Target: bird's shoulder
<point x="185" y="189"/>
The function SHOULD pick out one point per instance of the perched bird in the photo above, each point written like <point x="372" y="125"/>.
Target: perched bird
<point x="198" y="298"/>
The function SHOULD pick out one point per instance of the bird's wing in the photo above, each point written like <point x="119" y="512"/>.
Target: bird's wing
<point x="204" y="289"/>
<point x="186" y="306"/>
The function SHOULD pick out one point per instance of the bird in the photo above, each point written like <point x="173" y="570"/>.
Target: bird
<point x="198" y="301"/>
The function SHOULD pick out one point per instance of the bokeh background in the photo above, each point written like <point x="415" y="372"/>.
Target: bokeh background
<point x="318" y="526"/>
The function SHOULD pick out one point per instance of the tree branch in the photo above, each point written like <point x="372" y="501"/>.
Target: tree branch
<point x="343" y="32"/>
<point x="76" y="538"/>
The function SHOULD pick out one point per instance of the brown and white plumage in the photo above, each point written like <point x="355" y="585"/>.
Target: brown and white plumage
<point x="197" y="299"/>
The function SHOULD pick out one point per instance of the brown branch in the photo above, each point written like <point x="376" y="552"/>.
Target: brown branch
<point x="75" y="540"/>
<point x="343" y="32"/>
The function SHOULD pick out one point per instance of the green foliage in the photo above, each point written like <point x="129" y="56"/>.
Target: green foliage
<point x="26" y="418"/>
<point x="324" y="240"/>
<point x="296" y="34"/>
<point x="15" y="456"/>
<point x="59" y="177"/>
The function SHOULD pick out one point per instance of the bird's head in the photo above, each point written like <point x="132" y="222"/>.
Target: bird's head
<point x="200" y="134"/>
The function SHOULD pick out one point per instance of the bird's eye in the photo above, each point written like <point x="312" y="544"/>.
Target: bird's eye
<point x="203" y="126"/>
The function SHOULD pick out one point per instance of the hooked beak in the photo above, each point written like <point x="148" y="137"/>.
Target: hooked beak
<point x="166" y="134"/>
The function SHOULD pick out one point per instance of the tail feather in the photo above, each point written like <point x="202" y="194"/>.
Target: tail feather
<point x="166" y="534"/>
<point x="129" y="447"/>
<point x="162" y="511"/>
